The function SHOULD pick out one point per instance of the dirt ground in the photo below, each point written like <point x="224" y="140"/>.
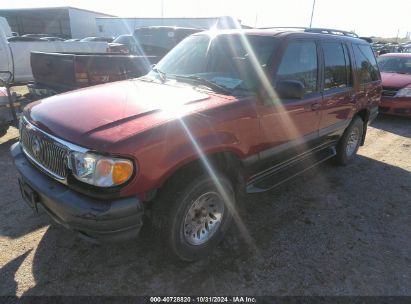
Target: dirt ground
<point x="331" y="231"/>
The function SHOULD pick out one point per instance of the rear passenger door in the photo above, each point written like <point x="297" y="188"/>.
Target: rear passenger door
<point x="368" y="76"/>
<point x="337" y="88"/>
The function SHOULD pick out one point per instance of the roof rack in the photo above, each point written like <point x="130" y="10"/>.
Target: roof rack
<point x="316" y="30"/>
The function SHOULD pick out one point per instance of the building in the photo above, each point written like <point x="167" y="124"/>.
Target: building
<point x="117" y="26"/>
<point x="65" y="22"/>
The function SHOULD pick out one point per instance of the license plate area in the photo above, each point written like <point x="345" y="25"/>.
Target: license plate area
<point x="29" y="195"/>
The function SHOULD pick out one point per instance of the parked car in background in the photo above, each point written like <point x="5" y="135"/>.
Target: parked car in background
<point x="117" y="48"/>
<point x="159" y="40"/>
<point x="73" y="39"/>
<point x="36" y="35"/>
<point x="97" y="39"/>
<point x="52" y="39"/>
<point x="221" y="112"/>
<point x="154" y="40"/>
<point x="60" y="72"/>
<point x="23" y="39"/>
<point x="129" y="41"/>
<point x="396" y="80"/>
<point x="56" y="73"/>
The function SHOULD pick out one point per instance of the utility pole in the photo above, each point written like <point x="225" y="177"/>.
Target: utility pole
<point x="312" y="14"/>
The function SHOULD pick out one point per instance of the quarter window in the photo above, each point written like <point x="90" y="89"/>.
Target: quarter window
<point x="300" y="63"/>
<point x="367" y="69"/>
<point x="337" y="66"/>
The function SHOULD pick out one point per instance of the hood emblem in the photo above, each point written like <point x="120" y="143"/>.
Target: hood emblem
<point x="36" y="147"/>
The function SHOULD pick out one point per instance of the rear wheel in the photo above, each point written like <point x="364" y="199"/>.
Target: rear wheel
<point x="193" y="220"/>
<point x="350" y="142"/>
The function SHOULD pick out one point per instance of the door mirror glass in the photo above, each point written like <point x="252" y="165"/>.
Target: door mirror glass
<point x="5" y="78"/>
<point x="290" y="89"/>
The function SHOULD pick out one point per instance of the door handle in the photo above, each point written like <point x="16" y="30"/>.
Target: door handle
<point x="315" y="106"/>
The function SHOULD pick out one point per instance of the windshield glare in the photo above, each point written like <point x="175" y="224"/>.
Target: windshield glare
<point x="395" y="64"/>
<point x="230" y="61"/>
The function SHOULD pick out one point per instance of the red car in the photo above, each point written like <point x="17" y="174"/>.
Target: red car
<point x="396" y="81"/>
<point x="222" y="112"/>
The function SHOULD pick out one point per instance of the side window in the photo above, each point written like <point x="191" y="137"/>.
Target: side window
<point x="367" y="69"/>
<point x="336" y="66"/>
<point x="300" y="63"/>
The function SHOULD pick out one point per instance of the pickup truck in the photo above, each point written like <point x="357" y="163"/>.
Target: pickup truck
<point x="15" y="56"/>
<point x="59" y="72"/>
<point x="222" y="113"/>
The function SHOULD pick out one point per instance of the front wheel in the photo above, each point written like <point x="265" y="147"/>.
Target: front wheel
<point x="350" y="142"/>
<point x="194" y="220"/>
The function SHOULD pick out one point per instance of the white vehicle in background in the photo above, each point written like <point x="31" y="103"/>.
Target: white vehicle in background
<point x="15" y="56"/>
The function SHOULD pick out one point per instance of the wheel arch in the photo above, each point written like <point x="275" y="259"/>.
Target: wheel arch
<point x="364" y="114"/>
<point x="225" y="162"/>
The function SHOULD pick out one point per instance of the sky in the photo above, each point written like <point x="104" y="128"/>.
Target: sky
<point x="365" y="17"/>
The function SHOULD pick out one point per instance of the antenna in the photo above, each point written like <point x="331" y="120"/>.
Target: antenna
<point x="312" y="14"/>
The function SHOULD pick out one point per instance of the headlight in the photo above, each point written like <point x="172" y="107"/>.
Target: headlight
<point x="100" y="170"/>
<point x="405" y="92"/>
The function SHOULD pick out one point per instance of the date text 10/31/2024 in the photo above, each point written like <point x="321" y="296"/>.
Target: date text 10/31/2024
<point x="236" y="299"/>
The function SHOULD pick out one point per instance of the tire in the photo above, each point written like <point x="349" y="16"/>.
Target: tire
<point x="349" y="143"/>
<point x="194" y="219"/>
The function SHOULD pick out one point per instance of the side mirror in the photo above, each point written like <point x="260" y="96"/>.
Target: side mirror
<point x="5" y="78"/>
<point x="290" y="89"/>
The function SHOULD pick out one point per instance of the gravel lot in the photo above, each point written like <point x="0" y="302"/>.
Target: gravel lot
<point x="331" y="231"/>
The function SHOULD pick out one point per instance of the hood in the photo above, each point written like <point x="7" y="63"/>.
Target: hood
<point x="111" y="112"/>
<point x="395" y="80"/>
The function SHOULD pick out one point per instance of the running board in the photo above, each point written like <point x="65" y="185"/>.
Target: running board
<point x="281" y="173"/>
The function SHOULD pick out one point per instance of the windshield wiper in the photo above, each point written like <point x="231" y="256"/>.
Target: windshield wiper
<point x="202" y="81"/>
<point x="163" y="76"/>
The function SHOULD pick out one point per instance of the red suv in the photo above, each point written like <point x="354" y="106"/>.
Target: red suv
<point x="229" y="111"/>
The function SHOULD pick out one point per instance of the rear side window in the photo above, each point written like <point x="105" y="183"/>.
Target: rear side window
<point x="300" y="63"/>
<point x="337" y="67"/>
<point x="367" y="69"/>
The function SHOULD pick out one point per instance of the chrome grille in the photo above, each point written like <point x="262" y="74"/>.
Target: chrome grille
<point x="44" y="151"/>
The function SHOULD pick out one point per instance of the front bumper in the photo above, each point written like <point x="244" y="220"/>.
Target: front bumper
<point x="94" y="219"/>
<point x="396" y="106"/>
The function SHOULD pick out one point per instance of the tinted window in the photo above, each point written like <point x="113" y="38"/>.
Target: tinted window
<point x="300" y="63"/>
<point x="337" y="66"/>
<point x="367" y="69"/>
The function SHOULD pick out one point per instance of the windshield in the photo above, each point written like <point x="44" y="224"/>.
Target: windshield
<point x="230" y="61"/>
<point x="399" y="65"/>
